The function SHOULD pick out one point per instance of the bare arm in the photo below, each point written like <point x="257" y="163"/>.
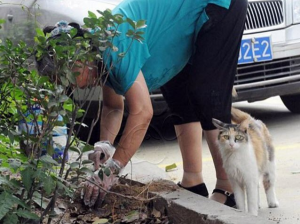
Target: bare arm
<point x="140" y="115"/>
<point x="112" y="114"/>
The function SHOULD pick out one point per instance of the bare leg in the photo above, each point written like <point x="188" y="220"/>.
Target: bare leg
<point x="222" y="180"/>
<point x="189" y="137"/>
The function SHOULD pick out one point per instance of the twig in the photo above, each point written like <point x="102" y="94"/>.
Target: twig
<point x="118" y="194"/>
<point x="146" y="188"/>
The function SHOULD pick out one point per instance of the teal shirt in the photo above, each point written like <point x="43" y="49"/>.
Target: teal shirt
<point x="171" y="29"/>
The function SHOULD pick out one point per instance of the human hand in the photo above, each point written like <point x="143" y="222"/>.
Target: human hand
<point x="100" y="183"/>
<point x="103" y="150"/>
<point x="95" y="189"/>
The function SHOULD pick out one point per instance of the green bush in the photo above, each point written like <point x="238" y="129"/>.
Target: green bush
<point x="31" y="180"/>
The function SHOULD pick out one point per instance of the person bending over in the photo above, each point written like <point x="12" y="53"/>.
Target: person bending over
<point x="190" y="51"/>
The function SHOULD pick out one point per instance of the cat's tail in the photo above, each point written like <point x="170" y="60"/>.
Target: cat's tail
<point x="238" y="116"/>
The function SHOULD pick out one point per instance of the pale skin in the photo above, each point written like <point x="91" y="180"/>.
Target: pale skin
<point x="140" y="114"/>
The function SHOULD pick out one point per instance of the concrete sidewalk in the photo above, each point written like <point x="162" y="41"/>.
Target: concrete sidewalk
<point x="187" y="208"/>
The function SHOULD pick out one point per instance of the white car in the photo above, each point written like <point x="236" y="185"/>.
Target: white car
<point x="270" y="53"/>
<point x="269" y="62"/>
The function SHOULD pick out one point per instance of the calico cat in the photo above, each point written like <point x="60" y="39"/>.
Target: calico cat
<point x="248" y="153"/>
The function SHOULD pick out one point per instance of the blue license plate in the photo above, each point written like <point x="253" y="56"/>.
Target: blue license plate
<point x="255" y="50"/>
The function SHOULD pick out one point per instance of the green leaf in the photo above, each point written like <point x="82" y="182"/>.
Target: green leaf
<point x="53" y="114"/>
<point x="75" y="149"/>
<point x="11" y="137"/>
<point x="15" y="164"/>
<point x="73" y="32"/>
<point x="139" y="32"/>
<point x="41" y="39"/>
<point x="87" y="148"/>
<point x="49" y="160"/>
<point x="2" y="21"/>
<point x="43" y="79"/>
<point x="52" y="104"/>
<point x="63" y="98"/>
<point x="62" y="112"/>
<point x="64" y="81"/>
<point x="13" y="183"/>
<point x="138" y="38"/>
<point x="27" y="177"/>
<point x="141" y="24"/>
<point x="130" y="33"/>
<point x="40" y="32"/>
<point x="131" y="23"/>
<point x="92" y="15"/>
<point x="100" y="174"/>
<point x="74" y="165"/>
<point x="86" y="170"/>
<point x="84" y="162"/>
<point x="7" y="202"/>
<point x="118" y="19"/>
<point x="3" y="180"/>
<point x="11" y="219"/>
<point x="65" y="189"/>
<point x="88" y="22"/>
<point x="71" y="76"/>
<point x="39" y="200"/>
<point x="107" y="171"/>
<point x="49" y="185"/>
<point x="26" y="214"/>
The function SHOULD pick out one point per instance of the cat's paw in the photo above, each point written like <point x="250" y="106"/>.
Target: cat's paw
<point x="253" y="212"/>
<point x="274" y="204"/>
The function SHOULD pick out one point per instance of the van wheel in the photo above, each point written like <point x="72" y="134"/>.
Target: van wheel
<point x="292" y="102"/>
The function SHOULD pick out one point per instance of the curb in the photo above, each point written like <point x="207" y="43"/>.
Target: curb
<point x="185" y="207"/>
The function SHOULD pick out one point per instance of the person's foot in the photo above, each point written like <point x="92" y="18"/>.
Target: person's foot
<point x="197" y="189"/>
<point x="223" y="192"/>
<point x="218" y="197"/>
<point x="223" y="197"/>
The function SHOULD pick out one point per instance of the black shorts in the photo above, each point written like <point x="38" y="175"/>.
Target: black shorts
<point x="202" y="90"/>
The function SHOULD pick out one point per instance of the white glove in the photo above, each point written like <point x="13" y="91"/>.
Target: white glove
<point x="103" y="150"/>
<point x="94" y="195"/>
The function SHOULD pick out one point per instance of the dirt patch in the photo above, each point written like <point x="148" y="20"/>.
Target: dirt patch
<point x="128" y="202"/>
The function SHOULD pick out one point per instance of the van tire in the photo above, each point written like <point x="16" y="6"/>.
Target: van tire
<point x="292" y="102"/>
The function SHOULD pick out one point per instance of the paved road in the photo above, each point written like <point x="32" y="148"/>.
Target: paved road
<point x="285" y="130"/>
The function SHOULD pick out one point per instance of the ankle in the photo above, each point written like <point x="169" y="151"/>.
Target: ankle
<point x="190" y="179"/>
<point x="223" y="184"/>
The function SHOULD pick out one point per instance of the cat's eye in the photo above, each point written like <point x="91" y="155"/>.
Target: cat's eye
<point x="226" y="137"/>
<point x="239" y="137"/>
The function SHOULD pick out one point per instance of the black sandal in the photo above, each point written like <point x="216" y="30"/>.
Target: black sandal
<point x="199" y="189"/>
<point x="230" y="201"/>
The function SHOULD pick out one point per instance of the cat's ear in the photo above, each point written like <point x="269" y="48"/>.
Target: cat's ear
<point x="218" y="124"/>
<point x="242" y="128"/>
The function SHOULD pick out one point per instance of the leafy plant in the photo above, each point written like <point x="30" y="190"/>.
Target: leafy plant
<point x="30" y="176"/>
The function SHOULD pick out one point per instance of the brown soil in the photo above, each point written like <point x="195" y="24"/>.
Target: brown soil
<point x="128" y="202"/>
